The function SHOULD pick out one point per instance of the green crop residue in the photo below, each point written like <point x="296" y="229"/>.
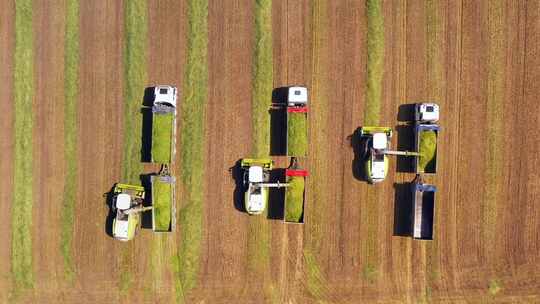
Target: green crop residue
<point x="316" y="283"/>
<point x="495" y="116"/>
<point x="262" y="78"/>
<point x="370" y="249"/>
<point x="192" y="141"/>
<point x="135" y="23"/>
<point x="71" y="87"/>
<point x="297" y="134"/>
<point x="375" y="62"/>
<point x="494" y="287"/>
<point x="21" y="208"/>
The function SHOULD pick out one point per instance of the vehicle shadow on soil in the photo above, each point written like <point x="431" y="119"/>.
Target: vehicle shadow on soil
<point x="360" y="150"/>
<point x="405" y="137"/>
<point x="146" y="217"/>
<point x="403" y="205"/>
<point x="109" y="198"/>
<point x="237" y="173"/>
<point x="278" y="122"/>
<point x="146" y="132"/>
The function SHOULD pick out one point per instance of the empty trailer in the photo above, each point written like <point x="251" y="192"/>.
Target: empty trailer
<point x="423" y="210"/>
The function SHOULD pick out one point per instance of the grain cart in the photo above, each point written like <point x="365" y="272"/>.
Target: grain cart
<point x="164" y="125"/>
<point x="426" y="132"/>
<point x="297" y="129"/>
<point x="128" y="205"/>
<point x="257" y="181"/>
<point x="163" y="201"/>
<point x="423" y="209"/>
<point x="294" y="194"/>
<point x="377" y="147"/>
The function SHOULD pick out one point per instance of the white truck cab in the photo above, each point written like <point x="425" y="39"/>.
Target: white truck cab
<point x="426" y="112"/>
<point x="297" y="96"/>
<point x="165" y="94"/>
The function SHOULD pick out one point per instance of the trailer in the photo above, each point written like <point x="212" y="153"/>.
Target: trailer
<point x="297" y="129"/>
<point x="163" y="202"/>
<point x="294" y="203"/>
<point x="423" y="209"/>
<point x="164" y="125"/>
<point x="425" y="141"/>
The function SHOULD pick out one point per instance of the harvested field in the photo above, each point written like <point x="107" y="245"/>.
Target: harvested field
<point x="80" y="82"/>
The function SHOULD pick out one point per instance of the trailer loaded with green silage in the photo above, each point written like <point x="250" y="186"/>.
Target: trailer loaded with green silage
<point x="295" y="196"/>
<point x="297" y="128"/>
<point x="163" y="203"/>
<point x="426" y="145"/>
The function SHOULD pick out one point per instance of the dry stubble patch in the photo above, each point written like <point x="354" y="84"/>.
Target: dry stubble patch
<point x="258" y="245"/>
<point x="315" y="280"/>
<point x="71" y="85"/>
<point x="186" y="263"/>
<point x="375" y="69"/>
<point x="21" y="210"/>
<point x="495" y="115"/>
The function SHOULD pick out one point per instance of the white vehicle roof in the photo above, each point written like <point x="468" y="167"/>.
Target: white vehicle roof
<point x="298" y="95"/>
<point x="377" y="169"/>
<point x="380" y="141"/>
<point x="165" y="94"/>
<point x="256" y="202"/>
<point x="428" y="112"/>
<point x="255" y="174"/>
<point x="121" y="229"/>
<point x="123" y="201"/>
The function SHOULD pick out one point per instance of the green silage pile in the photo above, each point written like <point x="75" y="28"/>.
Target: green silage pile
<point x="294" y="199"/>
<point x="427" y="150"/>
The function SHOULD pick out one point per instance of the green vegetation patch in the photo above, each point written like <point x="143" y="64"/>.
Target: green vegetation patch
<point x="262" y="78"/>
<point x="186" y="264"/>
<point x="162" y="135"/>
<point x="494" y="287"/>
<point x="161" y="201"/>
<point x="315" y="279"/>
<point x="135" y="23"/>
<point x="427" y="150"/>
<point x="375" y="62"/>
<point x="71" y="87"/>
<point x="297" y="134"/>
<point x="21" y="209"/>
<point x="294" y="199"/>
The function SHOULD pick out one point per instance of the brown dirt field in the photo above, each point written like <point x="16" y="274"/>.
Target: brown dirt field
<point x="7" y="40"/>
<point x="450" y="269"/>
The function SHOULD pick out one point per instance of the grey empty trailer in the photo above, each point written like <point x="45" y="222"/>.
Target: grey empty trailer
<point x="423" y="210"/>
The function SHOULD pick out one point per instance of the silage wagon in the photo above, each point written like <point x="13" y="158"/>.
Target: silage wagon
<point x="164" y="125"/>
<point x="423" y="209"/>
<point x="425" y="141"/>
<point x="295" y="194"/>
<point x="163" y="202"/>
<point x="297" y="128"/>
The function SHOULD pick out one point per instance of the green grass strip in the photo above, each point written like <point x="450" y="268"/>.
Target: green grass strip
<point x="294" y="199"/>
<point x="297" y="134"/>
<point x="495" y="116"/>
<point x="21" y="209"/>
<point x="436" y="84"/>
<point x="192" y="141"/>
<point x="161" y="200"/>
<point x="262" y="78"/>
<point x="162" y="131"/>
<point x="375" y="69"/>
<point x="71" y="86"/>
<point x="135" y="23"/>
<point x="375" y="62"/>
<point x="315" y="280"/>
<point x="259" y="232"/>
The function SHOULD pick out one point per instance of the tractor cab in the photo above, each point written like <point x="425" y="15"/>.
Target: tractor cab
<point x="165" y="95"/>
<point x="127" y="198"/>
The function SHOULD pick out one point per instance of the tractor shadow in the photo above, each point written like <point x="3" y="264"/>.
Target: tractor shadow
<point x="237" y="173"/>
<point x="278" y="122"/>
<point x="405" y="142"/>
<point x="359" y="145"/>
<point x="146" y="217"/>
<point x="403" y="205"/>
<point x="406" y="112"/>
<point x="276" y="196"/>
<point x="109" y="201"/>
<point x="146" y="131"/>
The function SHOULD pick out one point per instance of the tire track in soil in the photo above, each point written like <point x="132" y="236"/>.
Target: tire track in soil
<point x="7" y="35"/>
<point x="48" y="141"/>
<point x="100" y="149"/>
<point x="165" y="56"/>
<point x="223" y="272"/>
